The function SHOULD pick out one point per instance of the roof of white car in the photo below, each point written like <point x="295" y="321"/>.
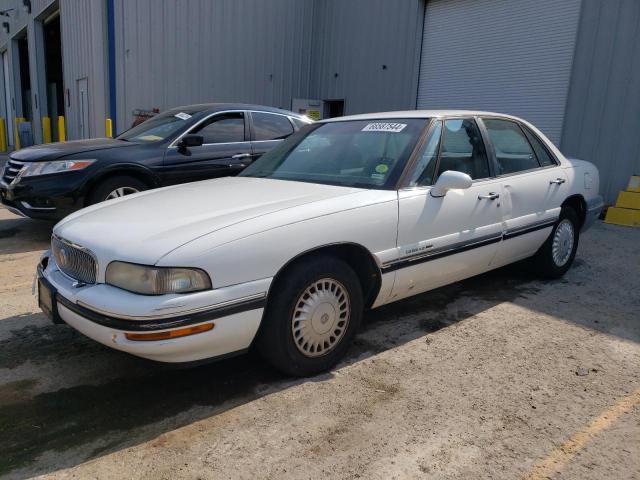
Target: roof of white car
<point x="417" y="114"/>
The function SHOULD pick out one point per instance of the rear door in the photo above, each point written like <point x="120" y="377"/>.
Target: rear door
<point x="267" y="131"/>
<point x="226" y="150"/>
<point x="444" y="239"/>
<point x="533" y="185"/>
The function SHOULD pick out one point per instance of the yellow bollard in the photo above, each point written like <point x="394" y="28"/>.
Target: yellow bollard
<point x="3" y="135"/>
<point x="17" y="135"/>
<point x="62" y="135"/>
<point x="46" y="130"/>
<point x="108" y="128"/>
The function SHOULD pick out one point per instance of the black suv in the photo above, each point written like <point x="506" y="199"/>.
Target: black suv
<point x="181" y="145"/>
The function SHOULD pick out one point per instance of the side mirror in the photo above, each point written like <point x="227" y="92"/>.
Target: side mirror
<point x="450" y="180"/>
<point x="191" y="141"/>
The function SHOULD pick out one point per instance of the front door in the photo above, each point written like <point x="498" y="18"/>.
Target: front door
<point x="445" y="239"/>
<point x="533" y="185"/>
<point x="226" y="151"/>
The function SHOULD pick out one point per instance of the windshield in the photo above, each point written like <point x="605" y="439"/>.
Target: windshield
<point x="160" y="127"/>
<point x="357" y="153"/>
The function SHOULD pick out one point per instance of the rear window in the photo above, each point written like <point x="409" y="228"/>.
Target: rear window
<point x="267" y="126"/>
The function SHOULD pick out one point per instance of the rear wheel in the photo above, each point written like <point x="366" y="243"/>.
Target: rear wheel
<point x="116" y="187"/>
<point x="556" y="255"/>
<point x="312" y="315"/>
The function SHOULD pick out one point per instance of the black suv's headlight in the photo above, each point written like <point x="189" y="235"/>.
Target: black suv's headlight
<point x="32" y="169"/>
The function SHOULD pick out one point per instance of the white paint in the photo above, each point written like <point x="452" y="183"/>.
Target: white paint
<point x="242" y="231"/>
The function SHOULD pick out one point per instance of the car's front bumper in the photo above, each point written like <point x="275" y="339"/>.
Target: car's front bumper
<point x="594" y="208"/>
<point x="235" y="318"/>
<point x="48" y="197"/>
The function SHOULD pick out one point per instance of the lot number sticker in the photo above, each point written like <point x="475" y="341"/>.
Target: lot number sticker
<point x="183" y="116"/>
<point x="384" y="127"/>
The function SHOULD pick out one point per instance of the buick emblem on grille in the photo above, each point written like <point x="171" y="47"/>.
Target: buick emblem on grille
<point x="64" y="257"/>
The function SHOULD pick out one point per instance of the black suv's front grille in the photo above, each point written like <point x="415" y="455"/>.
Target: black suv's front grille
<point x="11" y="170"/>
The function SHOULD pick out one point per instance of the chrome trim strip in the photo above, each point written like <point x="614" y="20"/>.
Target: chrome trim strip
<point x="228" y="303"/>
<point x="30" y="207"/>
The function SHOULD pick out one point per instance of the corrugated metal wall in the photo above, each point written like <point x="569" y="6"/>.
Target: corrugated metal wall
<point x="84" y="51"/>
<point x="83" y="38"/>
<point x="172" y="53"/>
<point x="510" y="56"/>
<point x="603" y="108"/>
<point x="354" y="39"/>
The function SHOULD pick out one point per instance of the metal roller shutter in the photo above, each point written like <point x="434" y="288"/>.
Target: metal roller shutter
<point x="509" y="56"/>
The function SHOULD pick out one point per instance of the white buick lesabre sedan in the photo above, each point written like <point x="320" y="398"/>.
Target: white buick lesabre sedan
<point x="345" y="215"/>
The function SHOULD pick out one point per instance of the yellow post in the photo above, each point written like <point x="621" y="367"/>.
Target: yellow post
<point x="108" y="128"/>
<point x="62" y="135"/>
<point x="46" y="130"/>
<point x="3" y="135"/>
<point x="17" y="135"/>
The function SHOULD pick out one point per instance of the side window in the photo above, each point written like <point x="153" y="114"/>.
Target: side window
<point x="267" y="126"/>
<point x="462" y="149"/>
<point x="298" y="123"/>
<point x="224" y="128"/>
<point x="513" y="151"/>
<point x="544" y="157"/>
<point x="426" y="164"/>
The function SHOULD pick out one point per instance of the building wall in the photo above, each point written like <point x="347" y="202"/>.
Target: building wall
<point x="367" y="52"/>
<point x="172" y="53"/>
<point x="602" y="118"/>
<point x="83" y="38"/>
<point x="509" y="56"/>
<point x="84" y="52"/>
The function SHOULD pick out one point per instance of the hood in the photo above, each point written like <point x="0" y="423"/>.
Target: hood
<point x="143" y="227"/>
<point x="54" y="151"/>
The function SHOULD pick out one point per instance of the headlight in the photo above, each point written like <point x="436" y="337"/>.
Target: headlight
<point x="156" y="280"/>
<point x="32" y="169"/>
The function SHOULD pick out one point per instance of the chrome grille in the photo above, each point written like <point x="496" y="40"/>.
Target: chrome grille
<point x="11" y="169"/>
<point x="75" y="261"/>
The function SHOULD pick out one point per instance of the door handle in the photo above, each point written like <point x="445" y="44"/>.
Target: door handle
<point x="557" y="181"/>
<point x="241" y="155"/>
<point x="489" y="196"/>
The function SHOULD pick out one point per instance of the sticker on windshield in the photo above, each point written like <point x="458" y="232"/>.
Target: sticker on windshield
<point x="183" y="116"/>
<point x="384" y="127"/>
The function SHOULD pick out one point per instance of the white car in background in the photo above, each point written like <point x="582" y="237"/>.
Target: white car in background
<point x="345" y="215"/>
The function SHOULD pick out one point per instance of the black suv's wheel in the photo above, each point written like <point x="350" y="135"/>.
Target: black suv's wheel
<point x="115" y="187"/>
<point x="312" y="315"/>
<point x="556" y="255"/>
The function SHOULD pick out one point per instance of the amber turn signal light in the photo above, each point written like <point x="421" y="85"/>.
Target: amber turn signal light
<point x="169" y="334"/>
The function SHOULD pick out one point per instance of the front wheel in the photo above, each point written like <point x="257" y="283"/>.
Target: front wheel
<point x="312" y="315"/>
<point x="556" y="255"/>
<point x="115" y="187"/>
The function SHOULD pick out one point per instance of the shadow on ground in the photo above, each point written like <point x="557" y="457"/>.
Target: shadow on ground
<point x="146" y="399"/>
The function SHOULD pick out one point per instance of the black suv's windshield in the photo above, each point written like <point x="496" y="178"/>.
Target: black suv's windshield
<point x="160" y="127"/>
<point x="358" y="153"/>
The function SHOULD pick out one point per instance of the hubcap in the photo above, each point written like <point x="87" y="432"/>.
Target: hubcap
<point x="121" y="192"/>
<point x="562" y="243"/>
<point x="321" y="317"/>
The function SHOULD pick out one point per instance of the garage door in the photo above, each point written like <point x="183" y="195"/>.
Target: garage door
<point x="509" y="56"/>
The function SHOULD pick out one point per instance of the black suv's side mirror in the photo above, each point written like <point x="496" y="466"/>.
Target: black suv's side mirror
<point x="191" y="141"/>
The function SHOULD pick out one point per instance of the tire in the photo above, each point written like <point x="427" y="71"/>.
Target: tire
<point x="565" y="233"/>
<point x="104" y="189"/>
<point x="302" y="343"/>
